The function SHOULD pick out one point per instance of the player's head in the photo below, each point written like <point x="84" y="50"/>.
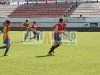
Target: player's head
<point x="34" y="22"/>
<point x="26" y="20"/>
<point x="7" y="22"/>
<point x="60" y="20"/>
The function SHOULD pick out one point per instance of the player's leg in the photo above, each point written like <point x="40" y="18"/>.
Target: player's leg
<point x="7" y="42"/>
<point x="52" y="49"/>
<point x="26" y="35"/>
<point x="53" y="46"/>
<point x="2" y="47"/>
<point x="35" y="33"/>
<point x="56" y="44"/>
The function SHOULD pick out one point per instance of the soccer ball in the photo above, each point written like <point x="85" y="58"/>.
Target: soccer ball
<point x="70" y="39"/>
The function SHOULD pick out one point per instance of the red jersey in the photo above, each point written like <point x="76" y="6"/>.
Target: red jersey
<point x="5" y="32"/>
<point x="58" y="28"/>
<point x="34" y="26"/>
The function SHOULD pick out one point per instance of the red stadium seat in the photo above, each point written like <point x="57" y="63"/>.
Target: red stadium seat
<point x="40" y="10"/>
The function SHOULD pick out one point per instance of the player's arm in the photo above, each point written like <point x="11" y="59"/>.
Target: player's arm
<point x="31" y="28"/>
<point x="29" y="24"/>
<point x="4" y="24"/>
<point x="4" y="30"/>
<point x="65" y="21"/>
<point x="53" y="28"/>
<point x="64" y="26"/>
<point x="36" y="26"/>
<point x="63" y="29"/>
<point x="1" y="31"/>
<point x="23" y="24"/>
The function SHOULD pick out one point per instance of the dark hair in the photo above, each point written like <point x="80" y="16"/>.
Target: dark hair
<point x="60" y="20"/>
<point x="34" y="22"/>
<point x="7" y="21"/>
<point x="26" y="20"/>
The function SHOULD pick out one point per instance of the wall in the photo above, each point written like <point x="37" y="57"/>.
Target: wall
<point x="84" y="24"/>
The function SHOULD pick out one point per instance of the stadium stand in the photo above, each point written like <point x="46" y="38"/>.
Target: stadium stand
<point x="5" y="10"/>
<point x="87" y="10"/>
<point x="40" y="10"/>
<point x="47" y="0"/>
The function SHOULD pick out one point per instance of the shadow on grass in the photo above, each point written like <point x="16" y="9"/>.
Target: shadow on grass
<point x="44" y="56"/>
<point x="3" y="56"/>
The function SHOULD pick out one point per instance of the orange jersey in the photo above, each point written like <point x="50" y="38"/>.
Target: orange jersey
<point x="5" y="32"/>
<point x="27" y="24"/>
<point x="4" y="24"/>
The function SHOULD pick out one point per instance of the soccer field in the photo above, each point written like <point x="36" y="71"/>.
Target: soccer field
<point x="30" y="59"/>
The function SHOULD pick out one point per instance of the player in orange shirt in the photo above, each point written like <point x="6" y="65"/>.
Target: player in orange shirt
<point x="6" y="39"/>
<point x="27" y="25"/>
<point x="4" y="23"/>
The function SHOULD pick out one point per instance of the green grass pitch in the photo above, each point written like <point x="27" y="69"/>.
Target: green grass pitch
<point x="80" y="59"/>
